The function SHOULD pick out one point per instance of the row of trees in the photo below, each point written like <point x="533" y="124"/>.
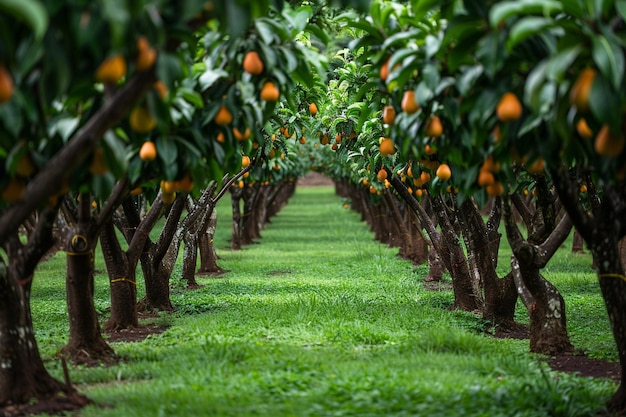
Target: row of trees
<point x="515" y="102"/>
<point x="113" y="115"/>
<point x="137" y="111"/>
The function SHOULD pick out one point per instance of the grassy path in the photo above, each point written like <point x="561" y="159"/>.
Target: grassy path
<point x="318" y="320"/>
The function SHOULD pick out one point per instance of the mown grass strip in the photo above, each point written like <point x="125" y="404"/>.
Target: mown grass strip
<point x="320" y="320"/>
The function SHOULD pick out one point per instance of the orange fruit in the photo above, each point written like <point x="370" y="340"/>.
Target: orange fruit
<point x="325" y="140"/>
<point x="252" y="63"/>
<point x="168" y="186"/>
<point x="365" y="182"/>
<point x="161" y="89"/>
<point x="146" y="54"/>
<point x="241" y="184"/>
<point x="136" y="191"/>
<point x="338" y="138"/>
<point x="269" y="92"/>
<point x="25" y="166"/>
<point x="429" y="150"/>
<point x="223" y="116"/>
<point x="583" y="129"/>
<point x="384" y="70"/>
<point x="111" y="70"/>
<point x="148" y="151"/>
<point x="313" y="108"/>
<point x="141" y="120"/>
<point x="579" y="94"/>
<point x="409" y="105"/>
<point x="241" y="136"/>
<point x="495" y="189"/>
<point x="372" y="189"/>
<point x="608" y="143"/>
<point x="509" y="108"/>
<point x="424" y="177"/>
<point x="485" y="178"/>
<point x="220" y="137"/>
<point x="444" y="172"/>
<point x="386" y="147"/>
<point x="334" y="147"/>
<point x="434" y="127"/>
<point x="497" y="134"/>
<point x="537" y="167"/>
<point x="303" y="140"/>
<point x="6" y="85"/>
<point x="382" y="174"/>
<point x="389" y="115"/>
<point x="245" y="161"/>
<point x="14" y="190"/>
<point x="419" y="192"/>
<point x="168" y="198"/>
<point x="98" y="164"/>
<point x="583" y="188"/>
<point x="185" y="184"/>
<point x="490" y="165"/>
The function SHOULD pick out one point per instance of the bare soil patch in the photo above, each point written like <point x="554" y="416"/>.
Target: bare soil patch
<point x="314" y="179"/>
<point x="586" y="367"/>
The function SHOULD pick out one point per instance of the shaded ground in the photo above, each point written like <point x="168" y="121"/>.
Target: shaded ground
<point x="314" y="179"/>
<point x="572" y="364"/>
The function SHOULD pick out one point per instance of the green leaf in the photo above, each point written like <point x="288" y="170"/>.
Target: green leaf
<point x="605" y="102"/>
<point x="526" y="27"/>
<point x="506" y="9"/>
<point x="467" y="79"/>
<point x="558" y="64"/>
<point x="609" y="58"/>
<point x="620" y="5"/>
<point x="423" y="94"/>
<point x="32" y="12"/>
<point x="167" y="150"/>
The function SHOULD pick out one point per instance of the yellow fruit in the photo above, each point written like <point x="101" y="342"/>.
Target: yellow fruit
<point x="444" y="172"/>
<point x="14" y="190"/>
<point x="509" y="108"/>
<point x="141" y="120"/>
<point x="146" y="55"/>
<point x="111" y="70"/>
<point x="269" y="92"/>
<point x="6" y="85"/>
<point x="583" y="129"/>
<point x="313" y="108"/>
<point x="245" y="161"/>
<point x="386" y="147"/>
<point x="579" y="94"/>
<point x="608" y="143"/>
<point x="409" y="105"/>
<point x="223" y="116"/>
<point x="168" y="187"/>
<point x="252" y="63"/>
<point x="168" y="198"/>
<point x="148" y="151"/>
<point x="434" y="127"/>
<point x="389" y="115"/>
<point x="382" y="174"/>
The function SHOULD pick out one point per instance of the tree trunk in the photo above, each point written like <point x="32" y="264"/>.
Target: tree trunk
<point x="545" y="305"/>
<point x="208" y="256"/>
<point x="235" y="199"/>
<point x="85" y="345"/>
<point x="577" y="242"/>
<point x="25" y="384"/>
<point x="123" y="283"/>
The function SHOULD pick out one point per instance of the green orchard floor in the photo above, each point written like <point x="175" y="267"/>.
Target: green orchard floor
<point x="318" y="319"/>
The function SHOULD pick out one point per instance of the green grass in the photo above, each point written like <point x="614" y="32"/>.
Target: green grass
<point x="320" y="320"/>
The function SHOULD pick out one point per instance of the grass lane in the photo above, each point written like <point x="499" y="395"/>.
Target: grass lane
<point x="318" y="319"/>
